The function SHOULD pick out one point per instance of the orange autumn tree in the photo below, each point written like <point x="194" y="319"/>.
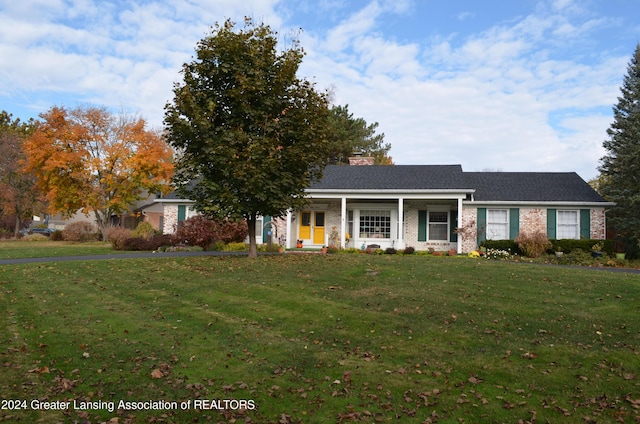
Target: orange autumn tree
<point x="91" y="160"/>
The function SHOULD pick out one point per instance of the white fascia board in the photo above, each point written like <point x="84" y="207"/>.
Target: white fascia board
<point x="187" y="201"/>
<point x="388" y="194"/>
<point x="533" y="203"/>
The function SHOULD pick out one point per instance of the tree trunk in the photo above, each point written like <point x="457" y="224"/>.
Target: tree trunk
<point x="253" y="248"/>
<point x="18" y="226"/>
<point x="102" y="219"/>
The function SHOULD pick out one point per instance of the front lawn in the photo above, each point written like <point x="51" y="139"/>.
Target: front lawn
<point x="315" y="339"/>
<point x="16" y="249"/>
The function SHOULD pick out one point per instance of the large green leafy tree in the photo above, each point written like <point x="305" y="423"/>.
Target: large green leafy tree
<point x="250" y="135"/>
<point x="350" y="135"/>
<point x="18" y="196"/>
<point x="620" y="167"/>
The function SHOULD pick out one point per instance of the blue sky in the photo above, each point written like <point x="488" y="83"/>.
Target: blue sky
<point x="522" y="85"/>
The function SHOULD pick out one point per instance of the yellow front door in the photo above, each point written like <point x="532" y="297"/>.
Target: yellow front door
<point x="318" y="229"/>
<point x="312" y="227"/>
<point x="305" y="225"/>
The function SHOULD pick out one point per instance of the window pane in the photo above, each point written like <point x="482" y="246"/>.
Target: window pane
<point x="306" y="219"/>
<point x="497" y="215"/>
<point x="319" y="219"/>
<point x="568" y="226"/>
<point x="497" y="224"/>
<point x="567" y="217"/>
<point x="438" y="216"/>
<point x="375" y="224"/>
<point x="438" y="229"/>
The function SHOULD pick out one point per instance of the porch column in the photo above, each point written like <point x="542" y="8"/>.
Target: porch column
<point x="287" y="242"/>
<point x="400" y="222"/>
<point x="459" y="236"/>
<point x="343" y="223"/>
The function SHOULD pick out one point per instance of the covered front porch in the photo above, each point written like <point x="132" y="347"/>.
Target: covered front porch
<point x="422" y="220"/>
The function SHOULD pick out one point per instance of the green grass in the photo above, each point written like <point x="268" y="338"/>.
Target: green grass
<point x="17" y="249"/>
<point x="315" y="339"/>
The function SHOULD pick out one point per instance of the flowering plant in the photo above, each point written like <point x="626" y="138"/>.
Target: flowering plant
<point x="498" y="254"/>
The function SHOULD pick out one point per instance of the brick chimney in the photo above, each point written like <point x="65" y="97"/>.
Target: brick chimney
<point x="358" y="159"/>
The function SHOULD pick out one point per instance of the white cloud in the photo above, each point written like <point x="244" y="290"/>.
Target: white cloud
<point x="485" y="102"/>
<point x="494" y="99"/>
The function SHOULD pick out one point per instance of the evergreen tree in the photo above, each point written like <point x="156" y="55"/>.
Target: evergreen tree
<point x="620" y="167"/>
<point x="350" y="135"/>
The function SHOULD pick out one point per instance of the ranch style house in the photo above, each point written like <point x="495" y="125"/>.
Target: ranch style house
<point x="437" y="207"/>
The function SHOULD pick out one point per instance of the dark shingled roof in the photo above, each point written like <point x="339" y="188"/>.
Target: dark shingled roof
<point x="531" y="186"/>
<point x="489" y="186"/>
<point x="396" y="177"/>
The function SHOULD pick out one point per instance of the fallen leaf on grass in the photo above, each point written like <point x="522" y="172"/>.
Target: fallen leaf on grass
<point x="40" y="370"/>
<point x="475" y="380"/>
<point x="156" y="373"/>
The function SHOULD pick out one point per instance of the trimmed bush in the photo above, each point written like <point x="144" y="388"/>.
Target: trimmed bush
<point x="116" y="236"/>
<point x="409" y="250"/>
<point x="56" y="236"/>
<point x="508" y="245"/>
<point x="147" y="244"/>
<point x="390" y="251"/>
<point x="533" y="245"/>
<point x="196" y="231"/>
<point x="237" y="247"/>
<point x="35" y="237"/>
<point x="144" y="230"/>
<point x="202" y="231"/>
<point x="79" y="231"/>
<point x="568" y="246"/>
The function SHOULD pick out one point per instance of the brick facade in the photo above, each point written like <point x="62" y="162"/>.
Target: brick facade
<point x="598" y="224"/>
<point x="170" y="219"/>
<point x="533" y="220"/>
<point x="361" y="160"/>
<point x="469" y="229"/>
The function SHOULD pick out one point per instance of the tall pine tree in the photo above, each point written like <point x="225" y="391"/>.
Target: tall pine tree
<point x="620" y="167"/>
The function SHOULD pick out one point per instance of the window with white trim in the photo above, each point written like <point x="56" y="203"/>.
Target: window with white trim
<point x="191" y="212"/>
<point x="497" y="224"/>
<point x="438" y="225"/>
<point x="568" y="225"/>
<point x="375" y="224"/>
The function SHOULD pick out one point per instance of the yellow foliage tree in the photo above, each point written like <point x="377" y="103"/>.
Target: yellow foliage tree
<point x="91" y="160"/>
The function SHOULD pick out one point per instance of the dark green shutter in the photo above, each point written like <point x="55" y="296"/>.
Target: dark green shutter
<point x="585" y="223"/>
<point x="514" y="223"/>
<point x="482" y="225"/>
<point x="551" y="223"/>
<point x="453" y="224"/>
<point x="422" y="225"/>
<point x="182" y="213"/>
<point x="266" y="228"/>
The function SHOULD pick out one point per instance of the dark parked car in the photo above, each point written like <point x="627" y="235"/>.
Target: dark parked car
<point x="44" y="231"/>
